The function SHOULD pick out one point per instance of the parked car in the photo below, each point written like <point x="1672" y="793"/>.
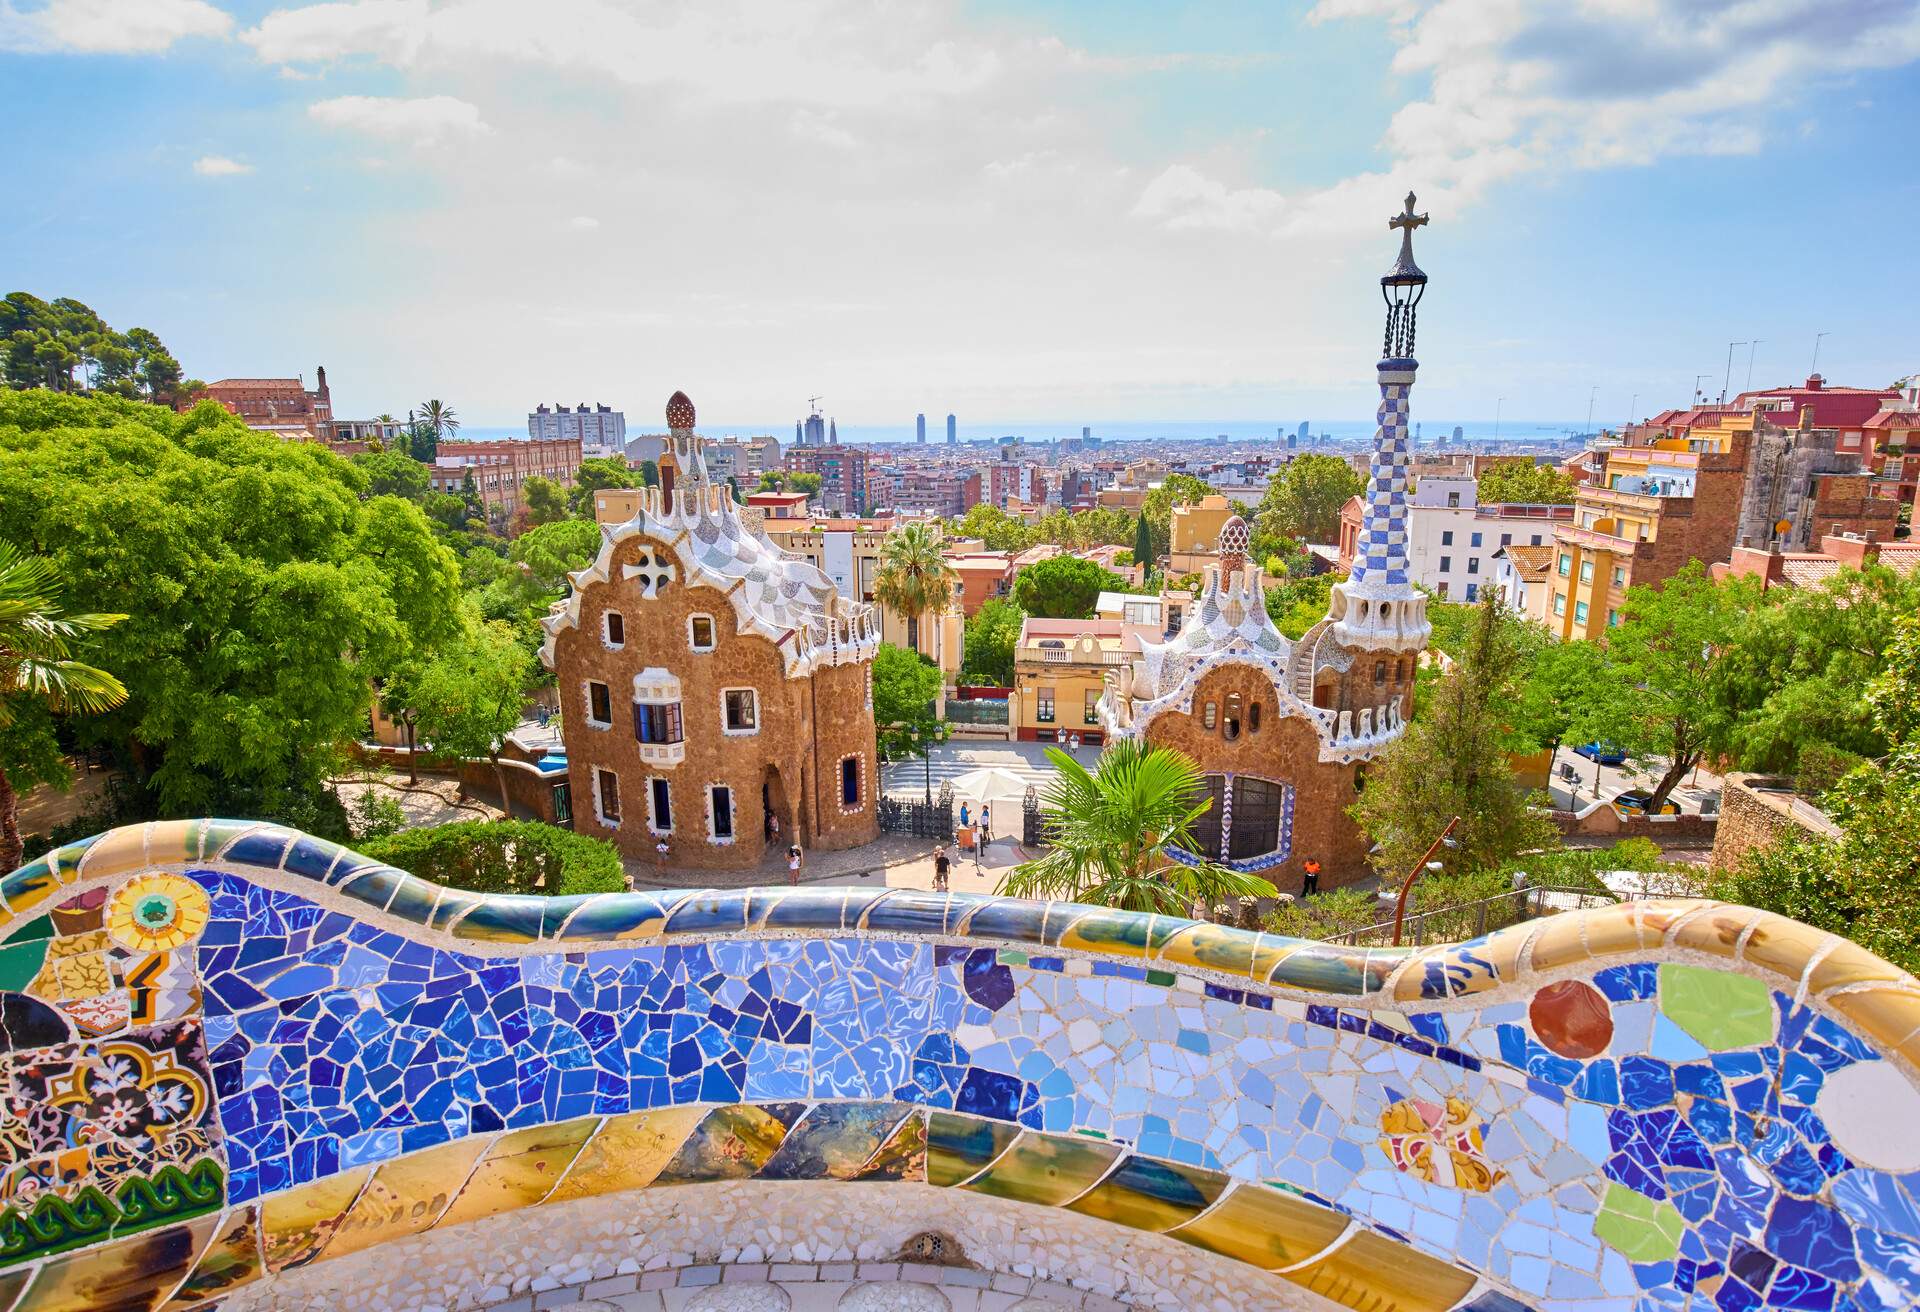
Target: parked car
<point x="1604" y="753"/>
<point x="1634" y="802"/>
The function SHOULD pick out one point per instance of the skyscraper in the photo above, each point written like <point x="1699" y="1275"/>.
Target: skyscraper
<point x="1303" y="428"/>
<point x="920" y="429"/>
<point x="952" y="431"/>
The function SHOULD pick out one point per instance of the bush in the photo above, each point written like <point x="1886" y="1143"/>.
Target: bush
<point x="1325" y="914"/>
<point x="504" y="856"/>
<point x="377" y="815"/>
<point x="1820" y="767"/>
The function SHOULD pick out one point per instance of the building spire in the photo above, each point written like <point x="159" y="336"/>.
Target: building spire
<point x="1377" y="605"/>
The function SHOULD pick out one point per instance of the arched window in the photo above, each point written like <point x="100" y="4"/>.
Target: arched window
<point x="1230" y="727"/>
<point x="1207" y="716"/>
<point x="1253" y="717"/>
<point x="1379" y="673"/>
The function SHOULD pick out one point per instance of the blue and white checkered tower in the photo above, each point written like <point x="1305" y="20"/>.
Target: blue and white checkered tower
<point x="1377" y="607"/>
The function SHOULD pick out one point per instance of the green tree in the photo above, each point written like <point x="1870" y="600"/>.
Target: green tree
<point x="1524" y="481"/>
<point x="1564" y="685"/>
<point x="1143" y="542"/>
<point x="43" y="344"/>
<point x="392" y="474"/>
<point x="468" y="697"/>
<point x="1304" y="498"/>
<point x="914" y="576"/>
<point x="553" y="551"/>
<point x="1298" y="603"/>
<point x="906" y="690"/>
<point x="1451" y="760"/>
<point x="1063" y="588"/>
<point x="1109" y="832"/>
<point x="996" y="529"/>
<point x="1158" y="504"/>
<point x="598" y="473"/>
<point x="263" y="596"/>
<point x="804" y="482"/>
<point x="1663" y="659"/>
<point x="37" y="644"/>
<point x="1790" y="676"/>
<point x="992" y="635"/>
<point x="437" y="416"/>
<point x="546" y="501"/>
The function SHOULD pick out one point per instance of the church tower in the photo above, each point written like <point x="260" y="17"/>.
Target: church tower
<point x="1377" y="608"/>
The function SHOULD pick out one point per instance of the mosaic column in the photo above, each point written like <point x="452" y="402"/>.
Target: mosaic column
<point x="1381" y="554"/>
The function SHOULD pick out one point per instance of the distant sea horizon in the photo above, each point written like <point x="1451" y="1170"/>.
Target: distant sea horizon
<point x="1132" y="430"/>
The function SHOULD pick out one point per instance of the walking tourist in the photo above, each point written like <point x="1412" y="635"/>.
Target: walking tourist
<point x="940" y="866"/>
<point x="794" y="862"/>
<point x="1310" y="883"/>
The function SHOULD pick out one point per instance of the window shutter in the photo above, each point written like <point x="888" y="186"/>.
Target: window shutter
<point x="673" y="722"/>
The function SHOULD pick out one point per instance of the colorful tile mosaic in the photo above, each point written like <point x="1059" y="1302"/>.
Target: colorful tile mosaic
<point x="1639" y="1129"/>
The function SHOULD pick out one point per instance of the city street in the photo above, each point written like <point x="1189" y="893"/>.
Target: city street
<point x="947" y="761"/>
<point x="1700" y="785"/>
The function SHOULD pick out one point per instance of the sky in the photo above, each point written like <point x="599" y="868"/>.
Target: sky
<point x="1031" y="211"/>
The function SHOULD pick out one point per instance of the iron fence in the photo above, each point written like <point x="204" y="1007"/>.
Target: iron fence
<point x="979" y="711"/>
<point x="919" y="817"/>
<point x="1469" y="920"/>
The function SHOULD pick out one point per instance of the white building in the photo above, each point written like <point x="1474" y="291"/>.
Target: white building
<point x="1452" y="539"/>
<point x="601" y="429"/>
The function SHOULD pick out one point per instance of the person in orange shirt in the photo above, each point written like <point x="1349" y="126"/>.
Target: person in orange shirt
<point x="1311" y="883"/>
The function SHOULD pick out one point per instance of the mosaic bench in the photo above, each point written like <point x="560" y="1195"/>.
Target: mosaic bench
<point x="234" y="1058"/>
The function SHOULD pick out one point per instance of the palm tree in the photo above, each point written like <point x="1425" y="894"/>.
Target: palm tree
<point x="915" y="576"/>
<point x="36" y="644"/>
<point x="439" y="416"/>
<point x="1111" y="830"/>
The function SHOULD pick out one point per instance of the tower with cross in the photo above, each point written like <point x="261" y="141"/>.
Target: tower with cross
<point x="1377" y="608"/>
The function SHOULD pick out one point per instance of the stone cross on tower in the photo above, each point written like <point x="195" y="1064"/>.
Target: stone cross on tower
<point x="1407" y="221"/>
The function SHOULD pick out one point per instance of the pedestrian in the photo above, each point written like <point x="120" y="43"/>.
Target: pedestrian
<point x="1310" y="883"/>
<point x="986" y="823"/>
<point x="964" y="813"/>
<point x="794" y="862"/>
<point x="773" y="828"/>
<point x="940" y="865"/>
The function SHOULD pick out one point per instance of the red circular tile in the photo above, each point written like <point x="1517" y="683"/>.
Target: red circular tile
<point x="1572" y="1018"/>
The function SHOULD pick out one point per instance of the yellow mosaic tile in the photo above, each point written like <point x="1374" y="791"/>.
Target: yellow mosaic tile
<point x="1371" y="1273"/>
<point x="230" y="1261"/>
<point x="1849" y="963"/>
<point x="1562" y="941"/>
<point x="520" y="1168"/>
<point x="1144" y="1194"/>
<point x="1716" y="930"/>
<point x="1046" y="1169"/>
<point x="1264" y="1227"/>
<point x="130" y="1276"/>
<point x="1213" y="947"/>
<point x="901" y="1157"/>
<point x="407" y="1195"/>
<point x="627" y="1152"/>
<point x="1890" y="1016"/>
<point x="295" y="1225"/>
<point x="1783" y="946"/>
<point x="118" y="852"/>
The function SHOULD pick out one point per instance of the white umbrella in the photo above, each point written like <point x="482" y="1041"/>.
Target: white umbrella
<point x="990" y="784"/>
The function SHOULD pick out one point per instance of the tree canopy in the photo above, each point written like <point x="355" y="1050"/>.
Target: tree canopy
<point x="1304" y="498"/>
<point x="1157" y="506"/>
<point x="1452" y="761"/>
<point x="392" y="473"/>
<point x="1063" y="588"/>
<point x="906" y="688"/>
<point x="1525" y="481"/>
<point x="64" y="346"/>
<point x="992" y="635"/>
<point x="263" y="596"/>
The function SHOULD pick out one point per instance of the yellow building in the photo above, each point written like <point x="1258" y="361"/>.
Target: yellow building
<point x="1059" y="673"/>
<point x="1194" y="542"/>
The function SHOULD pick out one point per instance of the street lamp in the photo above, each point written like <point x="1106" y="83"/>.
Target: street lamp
<point x="1426" y="863"/>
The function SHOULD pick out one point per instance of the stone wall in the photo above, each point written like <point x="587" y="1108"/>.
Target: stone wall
<point x="1756" y="809"/>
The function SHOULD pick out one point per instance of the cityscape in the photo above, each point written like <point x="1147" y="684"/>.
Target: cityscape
<point x="1089" y="819"/>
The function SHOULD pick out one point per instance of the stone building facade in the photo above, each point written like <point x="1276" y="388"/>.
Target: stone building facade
<point x="708" y="683"/>
<point x="1282" y="730"/>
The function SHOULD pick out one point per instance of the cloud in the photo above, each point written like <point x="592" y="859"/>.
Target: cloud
<point x="326" y="32"/>
<point x="1513" y="87"/>
<point x="583" y="223"/>
<point x="108" y="27"/>
<point x="220" y="166"/>
<point x="821" y="130"/>
<point x="424" y="121"/>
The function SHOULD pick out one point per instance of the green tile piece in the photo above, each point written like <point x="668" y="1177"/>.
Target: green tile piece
<point x="1642" y="1229"/>
<point x="20" y="963"/>
<point x="1164" y="978"/>
<point x="1008" y="957"/>
<point x="1720" y="1009"/>
<point x="38" y="927"/>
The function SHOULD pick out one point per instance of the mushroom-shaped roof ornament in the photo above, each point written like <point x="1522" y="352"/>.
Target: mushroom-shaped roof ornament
<point x="679" y="411"/>
<point x="1234" y="540"/>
